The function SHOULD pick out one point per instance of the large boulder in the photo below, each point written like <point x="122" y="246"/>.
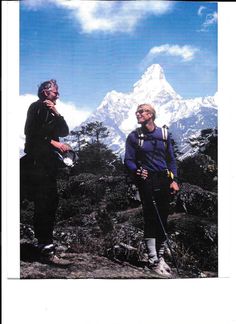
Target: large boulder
<point x="195" y="242"/>
<point x="200" y="170"/>
<point x="197" y="201"/>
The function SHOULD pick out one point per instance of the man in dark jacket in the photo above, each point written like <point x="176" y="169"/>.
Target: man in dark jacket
<point x="150" y="160"/>
<point x="44" y="125"/>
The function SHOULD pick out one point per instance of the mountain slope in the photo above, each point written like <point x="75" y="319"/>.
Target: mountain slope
<point x="183" y="117"/>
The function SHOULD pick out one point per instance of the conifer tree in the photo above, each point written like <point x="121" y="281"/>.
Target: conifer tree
<point x="95" y="130"/>
<point x="94" y="156"/>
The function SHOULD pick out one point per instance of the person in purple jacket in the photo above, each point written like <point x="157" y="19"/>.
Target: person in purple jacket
<point x="150" y="160"/>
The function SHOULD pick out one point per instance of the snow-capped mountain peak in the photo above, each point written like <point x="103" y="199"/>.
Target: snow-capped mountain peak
<point x="153" y="82"/>
<point x="184" y="117"/>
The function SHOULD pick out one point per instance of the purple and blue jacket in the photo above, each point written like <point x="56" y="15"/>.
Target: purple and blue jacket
<point x="155" y="154"/>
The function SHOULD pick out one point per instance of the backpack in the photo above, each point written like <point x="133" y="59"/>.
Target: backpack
<point x="132" y="190"/>
<point x="141" y="136"/>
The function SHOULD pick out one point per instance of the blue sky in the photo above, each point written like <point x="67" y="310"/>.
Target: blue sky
<point x="94" y="47"/>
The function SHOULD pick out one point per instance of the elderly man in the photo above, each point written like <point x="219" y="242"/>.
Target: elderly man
<point x="44" y="125"/>
<point x="150" y="159"/>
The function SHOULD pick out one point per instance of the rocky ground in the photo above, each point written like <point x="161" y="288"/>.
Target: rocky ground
<point x="123" y="261"/>
<point x="99" y="227"/>
<point x="85" y="266"/>
<point x="88" y="266"/>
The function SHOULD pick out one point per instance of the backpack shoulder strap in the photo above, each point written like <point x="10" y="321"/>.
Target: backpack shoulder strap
<point x="140" y="136"/>
<point x="164" y="130"/>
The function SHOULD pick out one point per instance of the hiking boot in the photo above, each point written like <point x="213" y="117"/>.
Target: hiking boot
<point x="162" y="269"/>
<point x="54" y="260"/>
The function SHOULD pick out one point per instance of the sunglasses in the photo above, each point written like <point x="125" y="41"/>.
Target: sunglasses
<point x="141" y="111"/>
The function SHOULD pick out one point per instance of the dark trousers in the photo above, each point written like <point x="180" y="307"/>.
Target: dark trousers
<point x="157" y="187"/>
<point x="45" y="203"/>
<point x="38" y="183"/>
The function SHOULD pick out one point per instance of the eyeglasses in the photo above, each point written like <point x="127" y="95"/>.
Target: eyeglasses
<point x="141" y="111"/>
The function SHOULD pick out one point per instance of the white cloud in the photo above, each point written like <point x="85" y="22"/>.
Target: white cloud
<point x="74" y="116"/>
<point x="108" y="16"/>
<point x="200" y="10"/>
<point x="34" y="4"/>
<point x="69" y="111"/>
<point x="185" y="52"/>
<point x="210" y="18"/>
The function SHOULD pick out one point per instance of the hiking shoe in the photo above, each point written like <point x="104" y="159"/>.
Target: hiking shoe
<point x="152" y="260"/>
<point x="164" y="264"/>
<point x="48" y="249"/>
<point x="162" y="269"/>
<point x="46" y="254"/>
<point x="54" y="260"/>
<point x="45" y="248"/>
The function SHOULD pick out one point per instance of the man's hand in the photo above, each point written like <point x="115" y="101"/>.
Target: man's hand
<point x="61" y="146"/>
<point x="142" y="173"/>
<point x="174" y="187"/>
<point x="51" y="106"/>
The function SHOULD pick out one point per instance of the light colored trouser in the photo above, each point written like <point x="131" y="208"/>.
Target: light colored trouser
<point x="155" y="249"/>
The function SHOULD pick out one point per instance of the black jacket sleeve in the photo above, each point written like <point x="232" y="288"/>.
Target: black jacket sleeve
<point x="42" y="126"/>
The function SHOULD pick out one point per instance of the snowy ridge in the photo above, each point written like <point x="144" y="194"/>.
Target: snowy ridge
<point x="183" y="117"/>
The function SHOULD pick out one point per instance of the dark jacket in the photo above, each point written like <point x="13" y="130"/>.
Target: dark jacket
<point x="41" y="127"/>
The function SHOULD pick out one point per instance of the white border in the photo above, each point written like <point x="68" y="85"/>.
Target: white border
<point x="10" y="135"/>
<point x="226" y="147"/>
<point x="117" y="301"/>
